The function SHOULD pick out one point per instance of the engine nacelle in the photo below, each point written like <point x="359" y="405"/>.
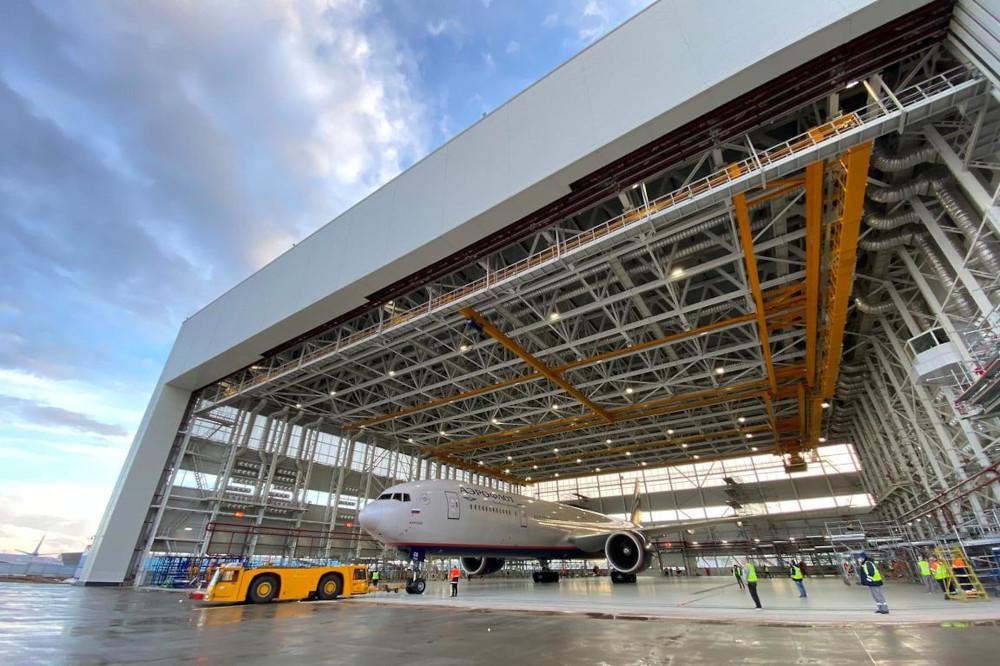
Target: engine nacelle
<point x="626" y="552"/>
<point x="482" y="566"/>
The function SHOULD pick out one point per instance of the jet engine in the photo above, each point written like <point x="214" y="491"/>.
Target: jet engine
<point x="626" y="553"/>
<point x="481" y="566"/>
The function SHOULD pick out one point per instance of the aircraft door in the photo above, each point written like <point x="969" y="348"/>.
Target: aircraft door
<point x="523" y="510"/>
<point x="454" y="506"/>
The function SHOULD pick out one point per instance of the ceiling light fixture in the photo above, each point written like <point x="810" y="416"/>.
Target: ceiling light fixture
<point x="824" y="405"/>
<point x="629" y="390"/>
<point x="463" y="348"/>
<point x="749" y="435"/>
<point x="822" y="440"/>
<point x="677" y="272"/>
<point x="553" y="316"/>
<point x="742" y="419"/>
<point x="720" y="371"/>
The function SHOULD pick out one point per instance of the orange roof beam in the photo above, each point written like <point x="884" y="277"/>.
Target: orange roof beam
<point x="590" y="360"/>
<point x="553" y="376"/>
<point x="651" y="408"/>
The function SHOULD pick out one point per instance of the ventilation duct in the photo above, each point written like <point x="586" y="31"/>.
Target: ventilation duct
<point x="903" y="237"/>
<point x="907" y="159"/>
<point x="891" y="221"/>
<point x="874" y="308"/>
<point x="961" y="214"/>
<point x="921" y="185"/>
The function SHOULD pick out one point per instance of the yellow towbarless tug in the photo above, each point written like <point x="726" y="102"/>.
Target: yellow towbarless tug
<point x="235" y="583"/>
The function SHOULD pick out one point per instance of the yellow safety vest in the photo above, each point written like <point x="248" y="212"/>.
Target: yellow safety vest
<point x="751" y="573"/>
<point x="796" y="573"/>
<point x="925" y="568"/>
<point x="876" y="575"/>
<point x="941" y="572"/>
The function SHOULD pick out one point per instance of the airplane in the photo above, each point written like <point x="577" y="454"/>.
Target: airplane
<point x="484" y="527"/>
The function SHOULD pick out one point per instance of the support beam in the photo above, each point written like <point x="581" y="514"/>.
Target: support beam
<point x="693" y="400"/>
<point x="529" y="358"/>
<point x="581" y="363"/>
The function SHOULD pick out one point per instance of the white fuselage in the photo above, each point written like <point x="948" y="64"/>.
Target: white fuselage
<point x="455" y="518"/>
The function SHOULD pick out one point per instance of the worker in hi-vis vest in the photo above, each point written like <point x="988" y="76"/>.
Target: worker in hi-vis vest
<point x="750" y="574"/>
<point x="795" y="573"/>
<point x="926" y="576"/>
<point x="453" y="576"/>
<point x="940" y="570"/>
<point x="871" y="578"/>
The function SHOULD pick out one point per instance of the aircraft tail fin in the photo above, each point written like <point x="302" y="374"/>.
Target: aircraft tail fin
<point x="635" y="515"/>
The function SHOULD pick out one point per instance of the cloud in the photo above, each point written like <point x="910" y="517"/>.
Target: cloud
<point x="550" y="20"/>
<point x="17" y="410"/>
<point x="154" y="154"/>
<point x="67" y="514"/>
<point x="444" y="27"/>
<point x="513" y="47"/>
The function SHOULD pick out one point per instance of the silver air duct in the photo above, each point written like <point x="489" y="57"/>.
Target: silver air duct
<point x="873" y="308"/>
<point x="891" y="221"/>
<point x="961" y="214"/>
<point x="907" y="159"/>
<point x="903" y="237"/>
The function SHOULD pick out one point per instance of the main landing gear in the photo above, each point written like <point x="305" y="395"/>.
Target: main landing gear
<point x="619" y="577"/>
<point x="417" y="584"/>
<point x="546" y="575"/>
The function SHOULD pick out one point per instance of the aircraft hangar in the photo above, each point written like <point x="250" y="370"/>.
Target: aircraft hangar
<point x="752" y="266"/>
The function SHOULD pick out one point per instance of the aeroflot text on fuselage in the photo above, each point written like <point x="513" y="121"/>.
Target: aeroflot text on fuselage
<point x="476" y="493"/>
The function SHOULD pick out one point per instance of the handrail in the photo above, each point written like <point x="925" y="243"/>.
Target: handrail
<point x="738" y="170"/>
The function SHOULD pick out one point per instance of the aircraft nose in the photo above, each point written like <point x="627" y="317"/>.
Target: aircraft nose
<point x="370" y="519"/>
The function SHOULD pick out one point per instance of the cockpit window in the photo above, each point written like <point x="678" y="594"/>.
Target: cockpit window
<point x="399" y="497"/>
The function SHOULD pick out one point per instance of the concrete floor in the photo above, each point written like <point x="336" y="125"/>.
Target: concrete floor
<point x="46" y="624"/>
<point x="706" y="598"/>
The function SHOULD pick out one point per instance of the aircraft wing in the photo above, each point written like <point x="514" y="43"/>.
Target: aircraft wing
<point x="654" y="530"/>
<point x="592" y="543"/>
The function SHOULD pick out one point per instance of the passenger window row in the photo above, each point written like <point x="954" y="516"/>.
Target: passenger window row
<point x="492" y="509"/>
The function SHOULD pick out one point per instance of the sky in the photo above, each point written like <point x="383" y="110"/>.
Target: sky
<point x="153" y="154"/>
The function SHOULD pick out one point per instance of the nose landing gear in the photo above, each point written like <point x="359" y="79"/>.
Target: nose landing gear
<point x="417" y="584"/>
